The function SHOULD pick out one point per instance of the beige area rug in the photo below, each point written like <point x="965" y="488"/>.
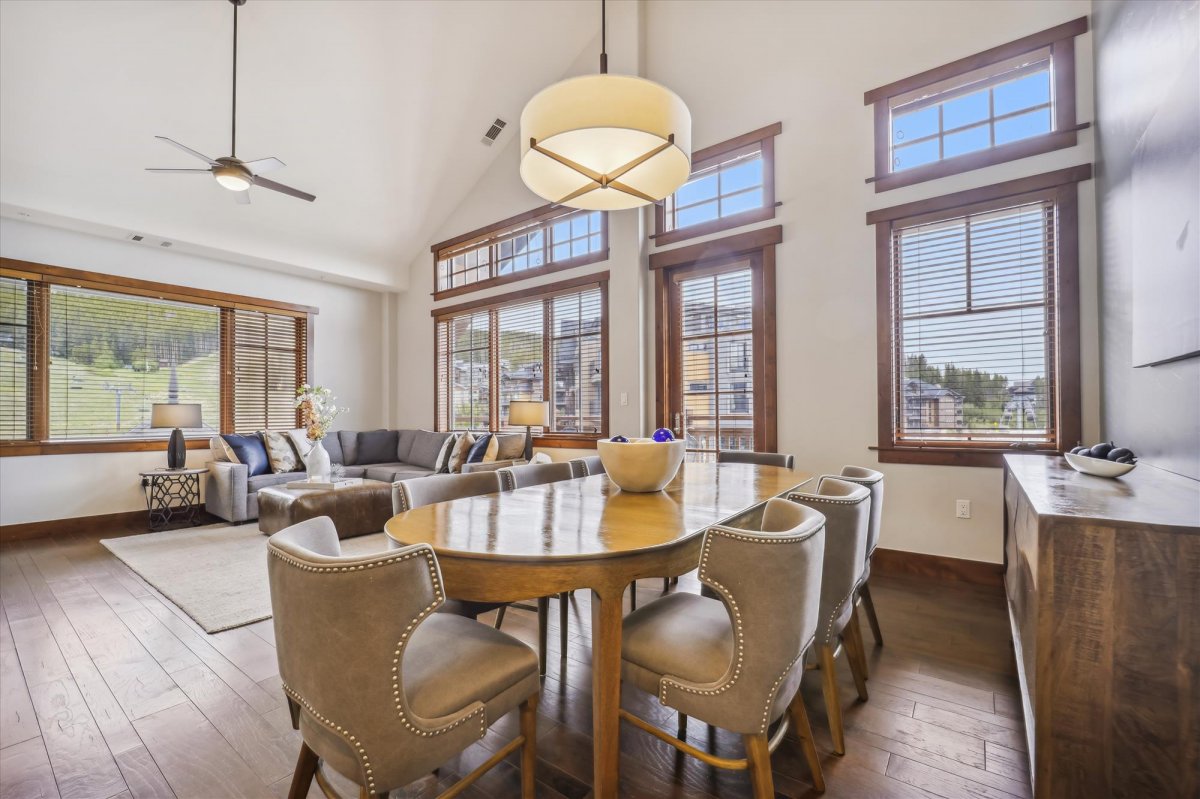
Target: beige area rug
<point x="215" y="574"/>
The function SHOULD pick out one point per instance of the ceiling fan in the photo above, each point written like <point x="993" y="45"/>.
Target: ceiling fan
<point x="230" y="171"/>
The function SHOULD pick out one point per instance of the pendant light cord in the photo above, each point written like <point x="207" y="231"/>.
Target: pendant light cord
<point x="603" y="37"/>
<point x="233" y="125"/>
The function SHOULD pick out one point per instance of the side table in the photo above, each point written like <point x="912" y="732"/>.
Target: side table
<point x="172" y="495"/>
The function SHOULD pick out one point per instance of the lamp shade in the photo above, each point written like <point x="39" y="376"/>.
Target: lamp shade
<point x="528" y="412"/>
<point x="175" y="414"/>
<point x="603" y="124"/>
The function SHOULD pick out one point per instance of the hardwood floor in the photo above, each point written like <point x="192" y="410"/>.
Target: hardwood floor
<point x="108" y="690"/>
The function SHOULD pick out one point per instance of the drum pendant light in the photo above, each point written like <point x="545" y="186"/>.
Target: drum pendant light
<point x="605" y="142"/>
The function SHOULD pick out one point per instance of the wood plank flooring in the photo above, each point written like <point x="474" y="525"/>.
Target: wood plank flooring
<point x="109" y="690"/>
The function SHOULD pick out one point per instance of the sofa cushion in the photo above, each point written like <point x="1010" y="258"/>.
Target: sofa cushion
<point x="281" y="454"/>
<point x="479" y="448"/>
<point x="404" y="442"/>
<point x="391" y="472"/>
<point x="426" y="447"/>
<point x="250" y="451"/>
<point x="300" y="441"/>
<point x="221" y="451"/>
<point x="333" y="445"/>
<point x="353" y="471"/>
<point x="349" y="441"/>
<point x="459" y="452"/>
<point x="505" y="447"/>
<point x="264" y="480"/>
<point x="442" y="464"/>
<point x="376" y="446"/>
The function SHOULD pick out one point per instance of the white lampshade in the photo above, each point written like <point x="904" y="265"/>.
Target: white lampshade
<point x="175" y="414"/>
<point x="603" y="122"/>
<point x="528" y="412"/>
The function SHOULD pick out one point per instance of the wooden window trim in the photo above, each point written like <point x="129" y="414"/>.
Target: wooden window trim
<point x="498" y="230"/>
<point x="1061" y="41"/>
<point x="707" y="157"/>
<point x="759" y="247"/>
<point x="547" y="291"/>
<point x="44" y="275"/>
<point x="1062" y="184"/>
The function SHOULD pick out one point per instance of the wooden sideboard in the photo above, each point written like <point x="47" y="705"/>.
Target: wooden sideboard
<point x="1103" y="584"/>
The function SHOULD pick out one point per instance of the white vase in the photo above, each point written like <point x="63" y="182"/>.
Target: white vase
<point x="318" y="462"/>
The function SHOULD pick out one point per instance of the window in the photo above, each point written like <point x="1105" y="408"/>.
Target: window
<point x="543" y="240"/>
<point x="1010" y="102"/>
<point x="979" y="316"/>
<point x="544" y="344"/>
<point x="732" y="184"/>
<point x="716" y="347"/>
<point x="84" y="357"/>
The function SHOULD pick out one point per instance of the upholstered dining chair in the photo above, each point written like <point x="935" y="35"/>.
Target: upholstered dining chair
<point x="420" y="491"/>
<point x="761" y="458"/>
<point x="382" y="689"/>
<point x="736" y="662"/>
<point x="873" y="480"/>
<point x="590" y="465"/>
<point x="846" y="507"/>
<point x="536" y="474"/>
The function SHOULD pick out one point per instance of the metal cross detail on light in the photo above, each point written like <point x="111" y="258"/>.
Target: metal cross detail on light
<point x="607" y="180"/>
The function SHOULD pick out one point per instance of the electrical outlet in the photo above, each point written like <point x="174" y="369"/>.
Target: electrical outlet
<point x="962" y="508"/>
<point x="624" y="398"/>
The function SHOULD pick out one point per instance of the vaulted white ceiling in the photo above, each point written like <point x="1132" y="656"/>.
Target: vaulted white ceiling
<point x="377" y="107"/>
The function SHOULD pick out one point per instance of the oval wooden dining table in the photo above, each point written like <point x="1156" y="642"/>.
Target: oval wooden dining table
<point x="586" y="534"/>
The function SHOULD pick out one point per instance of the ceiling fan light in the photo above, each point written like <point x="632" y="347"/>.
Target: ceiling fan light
<point x="603" y="122"/>
<point x="231" y="178"/>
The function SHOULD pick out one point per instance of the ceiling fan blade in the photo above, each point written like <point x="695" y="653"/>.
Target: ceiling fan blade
<point x="282" y="189"/>
<point x="242" y="197"/>
<point x="188" y="150"/>
<point x="189" y="171"/>
<point x="263" y="165"/>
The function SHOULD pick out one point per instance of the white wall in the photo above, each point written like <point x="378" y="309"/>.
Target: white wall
<point x="742" y="65"/>
<point x="348" y="358"/>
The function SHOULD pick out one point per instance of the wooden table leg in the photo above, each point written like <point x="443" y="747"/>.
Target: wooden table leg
<point x="607" y="617"/>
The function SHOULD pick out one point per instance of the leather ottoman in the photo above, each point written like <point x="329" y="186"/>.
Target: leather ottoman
<point x="357" y="510"/>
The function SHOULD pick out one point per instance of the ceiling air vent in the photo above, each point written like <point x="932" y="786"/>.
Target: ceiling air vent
<point x="494" y="132"/>
<point x="164" y="244"/>
<point x="138" y="237"/>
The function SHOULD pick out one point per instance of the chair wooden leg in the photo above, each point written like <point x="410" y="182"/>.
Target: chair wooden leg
<point x="833" y="707"/>
<point x="633" y="595"/>
<point x="529" y="748"/>
<point x="855" y="656"/>
<point x="799" y="714"/>
<point x="872" y="619"/>
<point x="564" y="609"/>
<point x="306" y="770"/>
<point x="543" y="606"/>
<point x="666" y="584"/>
<point x="682" y="730"/>
<point x="758" y="753"/>
<point x="500" y="616"/>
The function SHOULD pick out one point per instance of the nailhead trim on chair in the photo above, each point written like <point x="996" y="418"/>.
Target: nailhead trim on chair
<point x="729" y="532"/>
<point x="766" y="722"/>
<point x="438" y="599"/>
<point x="507" y="481"/>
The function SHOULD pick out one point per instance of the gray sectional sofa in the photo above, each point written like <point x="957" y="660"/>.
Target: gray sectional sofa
<point x="385" y="455"/>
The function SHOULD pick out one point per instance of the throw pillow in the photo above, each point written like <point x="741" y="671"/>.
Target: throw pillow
<point x="426" y="446"/>
<point x="442" y="464"/>
<point x="479" y="448"/>
<point x="505" y="447"/>
<point x="461" y="449"/>
<point x="221" y="451"/>
<point x="250" y="451"/>
<point x="300" y="441"/>
<point x="377" y="446"/>
<point x="281" y="455"/>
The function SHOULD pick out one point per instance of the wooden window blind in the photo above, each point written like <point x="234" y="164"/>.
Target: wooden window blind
<point x="732" y="184"/>
<point x="84" y="357"/>
<point x="548" y="347"/>
<point x="980" y="328"/>
<point x="268" y="365"/>
<point x="1005" y="103"/>
<point x="543" y="240"/>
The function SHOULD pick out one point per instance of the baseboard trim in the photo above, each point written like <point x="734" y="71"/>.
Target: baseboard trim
<point x="26" y="531"/>
<point x="938" y="567"/>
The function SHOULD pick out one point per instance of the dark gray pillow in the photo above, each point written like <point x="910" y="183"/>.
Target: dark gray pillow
<point x="425" y="449"/>
<point x="404" y="444"/>
<point x="333" y="447"/>
<point x="377" y="446"/>
<point x="349" y="441"/>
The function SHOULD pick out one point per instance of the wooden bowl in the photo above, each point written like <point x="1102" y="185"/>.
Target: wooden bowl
<point x="1100" y="467"/>
<point x="641" y="465"/>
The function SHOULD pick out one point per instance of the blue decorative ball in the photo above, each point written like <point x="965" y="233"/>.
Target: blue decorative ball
<point x="662" y="434"/>
<point x="619" y="439"/>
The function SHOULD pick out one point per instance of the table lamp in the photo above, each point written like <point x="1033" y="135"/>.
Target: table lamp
<point x="177" y="415"/>
<point x="529" y="413"/>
